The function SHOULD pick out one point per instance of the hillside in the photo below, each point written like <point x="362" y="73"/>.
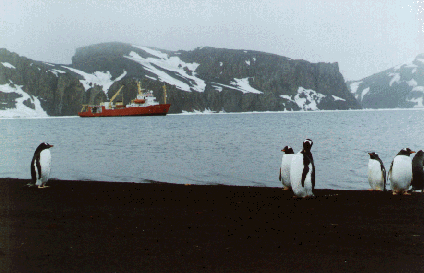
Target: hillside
<point x="399" y="87"/>
<point x="204" y="78"/>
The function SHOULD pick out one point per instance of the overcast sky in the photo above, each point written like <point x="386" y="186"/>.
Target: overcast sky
<point x="364" y="37"/>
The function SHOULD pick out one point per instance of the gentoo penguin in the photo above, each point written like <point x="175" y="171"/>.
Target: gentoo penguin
<point x="400" y="173"/>
<point x="285" y="167"/>
<point x="41" y="165"/>
<point x="376" y="173"/>
<point x="418" y="171"/>
<point x="302" y="172"/>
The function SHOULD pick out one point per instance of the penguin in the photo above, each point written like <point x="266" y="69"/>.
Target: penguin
<point x="302" y="172"/>
<point x="418" y="171"/>
<point x="376" y="173"/>
<point x="285" y="167"/>
<point x="41" y="165"/>
<point x="400" y="173"/>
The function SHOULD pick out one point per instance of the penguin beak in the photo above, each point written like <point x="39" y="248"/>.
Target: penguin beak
<point x="51" y="146"/>
<point x="283" y="150"/>
<point x="411" y="152"/>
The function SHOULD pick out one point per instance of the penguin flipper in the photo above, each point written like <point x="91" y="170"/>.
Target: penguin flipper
<point x="279" y="178"/>
<point x="390" y="170"/>
<point x="313" y="173"/>
<point x="306" y="162"/>
<point x="38" y="165"/>
<point x="33" y="173"/>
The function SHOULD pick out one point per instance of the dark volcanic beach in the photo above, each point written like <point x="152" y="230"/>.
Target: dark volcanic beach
<point x="80" y="226"/>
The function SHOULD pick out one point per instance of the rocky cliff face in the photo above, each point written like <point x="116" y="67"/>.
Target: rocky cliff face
<point x="399" y="87"/>
<point x="204" y="78"/>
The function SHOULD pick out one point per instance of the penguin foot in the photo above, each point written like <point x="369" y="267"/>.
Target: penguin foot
<point x="395" y="193"/>
<point x="406" y="193"/>
<point x="42" y="187"/>
<point x="286" y="188"/>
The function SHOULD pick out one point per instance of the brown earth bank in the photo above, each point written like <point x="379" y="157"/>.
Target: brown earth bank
<point x="80" y="226"/>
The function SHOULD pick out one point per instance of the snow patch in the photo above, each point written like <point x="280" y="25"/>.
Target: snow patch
<point x="338" y="98"/>
<point x="104" y="79"/>
<point x="395" y="78"/>
<point x="152" y="78"/>
<point x="217" y="88"/>
<point x="412" y="82"/>
<point x="306" y="99"/>
<point x="244" y="86"/>
<point x="418" y="89"/>
<point x="418" y="101"/>
<point x="364" y="92"/>
<point x="48" y="64"/>
<point x="21" y="110"/>
<point x="239" y="85"/>
<point x="247" y="62"/>
<point x="8" y="65"/>
<point x="161" y="64"/>
<point x="56" y="71"/>
<point x="220" y="63"/>
<point x="354" y="86"/>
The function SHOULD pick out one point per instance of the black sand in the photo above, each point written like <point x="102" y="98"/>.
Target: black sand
<point x="125" y="227"/>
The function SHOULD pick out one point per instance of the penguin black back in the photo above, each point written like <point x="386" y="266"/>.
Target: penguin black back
<point x="308" y="159"/>
<point x="375" y="156"/>
<point x="35" y="162"/>
<point x="418" y="171"/>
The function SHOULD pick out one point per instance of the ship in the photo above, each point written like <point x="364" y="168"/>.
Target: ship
<point x="144" y="104"/>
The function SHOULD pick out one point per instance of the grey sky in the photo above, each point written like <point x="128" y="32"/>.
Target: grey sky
<point x="364" y="37"/>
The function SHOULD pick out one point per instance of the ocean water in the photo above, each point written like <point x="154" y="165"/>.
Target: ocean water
<point x="233" y="149"/>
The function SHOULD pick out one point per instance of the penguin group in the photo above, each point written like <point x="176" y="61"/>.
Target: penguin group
<point x="404" y="172"/>
<point x="297" y="171"/>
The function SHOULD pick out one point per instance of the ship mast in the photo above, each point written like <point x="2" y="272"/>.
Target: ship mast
<point x="164" y="94"/>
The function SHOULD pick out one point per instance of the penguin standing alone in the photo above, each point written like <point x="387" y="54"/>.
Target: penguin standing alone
<point x="41" y="165"/>
<point x="285" y="167"/>
<point x="302" y="172"/>
<point x="400" y="173"/>
<point x="418" y="171"/>
<point x="376" y="173"/>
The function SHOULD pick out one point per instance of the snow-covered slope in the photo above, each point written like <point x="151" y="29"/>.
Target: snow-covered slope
<point x="100" y="78"/>
<point x="399" y="87"/>
<point x="20" y="109"/>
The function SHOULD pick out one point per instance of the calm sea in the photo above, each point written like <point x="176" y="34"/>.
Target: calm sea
<point x="233" y="149"/>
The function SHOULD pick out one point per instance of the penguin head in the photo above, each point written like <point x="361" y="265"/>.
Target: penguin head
<point x="420" y="153"/>
<point x="288" y="150"/>
<point x="406" y="151"/>
<point x="309" y="141"/>
<point x="43" y="146"/>
<point x="373" y="155"/>
<point x="307" y="144"/>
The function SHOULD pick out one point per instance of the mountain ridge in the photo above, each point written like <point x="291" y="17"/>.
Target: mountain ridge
<point x="227" y="80"/>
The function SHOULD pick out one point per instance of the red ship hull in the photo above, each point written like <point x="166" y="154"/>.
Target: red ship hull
<point x="101" y="111"/>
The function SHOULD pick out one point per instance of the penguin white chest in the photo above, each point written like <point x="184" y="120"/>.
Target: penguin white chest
<point x="45" y="163"/>
<point x="401" y="173"/>
<point x="285" y="169"/>
<point x="296" y="172"/>
<point x="375" y="175"/>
